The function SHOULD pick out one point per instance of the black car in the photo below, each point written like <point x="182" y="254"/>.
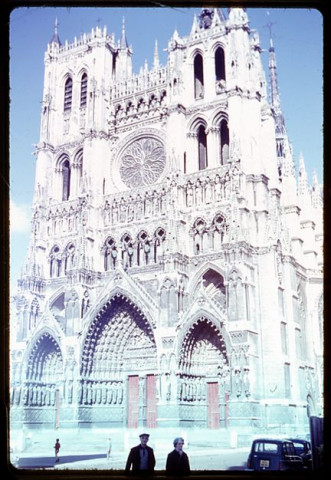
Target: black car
<point x="273" y="454"/>
<point x="303" y="448"/>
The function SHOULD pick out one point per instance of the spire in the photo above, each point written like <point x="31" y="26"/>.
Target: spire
<point x="194" y="28"/>
<point x="316" y="194"/>
<point x="303" y="188"/>
<point x="124" y="43"/>
<point x="220" y="14"/>
<point x="55" y="38"/>
<point x="156" y="56"/>
<point x="275" y="100"/>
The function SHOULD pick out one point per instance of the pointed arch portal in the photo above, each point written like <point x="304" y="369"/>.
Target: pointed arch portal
<point x="118" y="351"/>
<point x="204" y="368"/>
<point x="41" y="390"/>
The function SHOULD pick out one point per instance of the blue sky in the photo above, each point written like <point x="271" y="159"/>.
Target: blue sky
<point x="297" y="36"/>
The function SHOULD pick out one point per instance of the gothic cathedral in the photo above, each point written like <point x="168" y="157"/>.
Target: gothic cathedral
<point x="174" y="270"/>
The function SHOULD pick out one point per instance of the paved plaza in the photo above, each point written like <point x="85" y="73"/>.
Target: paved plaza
<point x="87" y="449"/>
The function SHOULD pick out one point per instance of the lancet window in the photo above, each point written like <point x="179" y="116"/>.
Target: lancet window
<point x="78" y="162"/>
<point x="34" y="313"/>
<point x="68" y="94"/>
<point x="224" y="141"/>
<point x="219" y="64"/>
<point x="83" y="90"/>
<point x="202" y="148"/>
<point x="65" y="180"/>
<point x="127" y="250"/>
<point x="218" y="230"/>
<point x="55" y="262"/>
<point x="143" y="249"/>
<point x="110" y="254"/>
<point x="159" y="238"/>
<point x="198" y="77"/>
<point x="199" y="232"/>
<point x="208" y="237"/>
<point x="69" y="257"/>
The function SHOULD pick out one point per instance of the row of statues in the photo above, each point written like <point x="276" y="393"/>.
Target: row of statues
<point x="127" y="210"/>
<point x="33" y="395"/>
<point x="98" y="393"/>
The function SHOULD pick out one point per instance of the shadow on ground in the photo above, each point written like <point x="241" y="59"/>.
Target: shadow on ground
<point x="49" y="462"/>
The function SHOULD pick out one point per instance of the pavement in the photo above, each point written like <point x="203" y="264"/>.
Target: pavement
<point x="87" y="449"/>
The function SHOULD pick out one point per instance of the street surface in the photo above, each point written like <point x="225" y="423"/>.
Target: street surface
<point x="86" y="449"/>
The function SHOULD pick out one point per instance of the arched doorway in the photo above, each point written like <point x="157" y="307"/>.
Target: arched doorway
<point x="44" y="380"/>
<point x="204" y="375"/>
<point x="118" y="373"/>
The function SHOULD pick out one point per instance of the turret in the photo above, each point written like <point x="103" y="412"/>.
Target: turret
<point x="56" y="39"/>
<point x="124" y="57"/>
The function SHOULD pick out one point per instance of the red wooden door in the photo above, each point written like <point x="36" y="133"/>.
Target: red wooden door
<point x="133" y="401"/>
<point x="213" y="405"/>
<point x="151" y="401"/>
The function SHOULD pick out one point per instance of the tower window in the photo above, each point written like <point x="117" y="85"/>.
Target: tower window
<point x="68" y="95"/>
<point x="83" y="90"/>
<point x="198" y="76"/>
<point x="224" y="142"/>
<point x="65" y="180"/>
<point x="219" y="64"/>
<point x="202" y="148"/>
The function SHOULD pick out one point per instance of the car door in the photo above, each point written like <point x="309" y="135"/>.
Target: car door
<point x="266" y="455"/>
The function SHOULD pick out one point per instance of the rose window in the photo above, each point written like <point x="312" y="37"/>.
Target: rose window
<point x="142" y="162"/>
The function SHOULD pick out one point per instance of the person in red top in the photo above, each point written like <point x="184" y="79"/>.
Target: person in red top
<point x="57" y="447"/>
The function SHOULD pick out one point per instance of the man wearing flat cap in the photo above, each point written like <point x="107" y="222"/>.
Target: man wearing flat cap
<point x="141" y="457"/>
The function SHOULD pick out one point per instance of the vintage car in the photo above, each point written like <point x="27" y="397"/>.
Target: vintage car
<point x="303" y="448"/>
<point x="273" y="454"/>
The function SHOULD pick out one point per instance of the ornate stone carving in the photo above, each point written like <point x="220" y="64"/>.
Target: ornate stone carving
<point x="142" y="162"/>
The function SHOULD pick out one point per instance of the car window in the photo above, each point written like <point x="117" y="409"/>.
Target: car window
<point x="298" y="446"/>
<point x="288" y="448"/>
<point x="268" y="447"/>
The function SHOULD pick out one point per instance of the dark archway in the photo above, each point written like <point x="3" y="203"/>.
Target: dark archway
<point x="198" y="77"/>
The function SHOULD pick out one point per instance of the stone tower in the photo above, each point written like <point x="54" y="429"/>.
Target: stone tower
<point x="174" y="272"/>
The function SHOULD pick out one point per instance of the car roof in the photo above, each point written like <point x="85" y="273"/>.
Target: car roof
<point x="272" y="440"/>
<point x="299" y="440"/>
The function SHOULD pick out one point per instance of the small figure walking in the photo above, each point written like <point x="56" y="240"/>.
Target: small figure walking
<point x="57" y="447"/>
<point x="109" y="449"/>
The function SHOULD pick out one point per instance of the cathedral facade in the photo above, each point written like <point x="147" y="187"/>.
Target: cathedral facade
<point x="174" y="271"/>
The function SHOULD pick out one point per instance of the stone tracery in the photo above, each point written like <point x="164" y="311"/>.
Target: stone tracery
<point x="142" y="162"/>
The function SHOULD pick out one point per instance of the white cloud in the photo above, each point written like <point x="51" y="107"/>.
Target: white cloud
<point x="20" y="217"/>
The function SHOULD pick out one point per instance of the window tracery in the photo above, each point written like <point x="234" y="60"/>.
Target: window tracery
<point x="142" y="162"/>
<point x="68" y="95"/>
<point x="83" y="90"/>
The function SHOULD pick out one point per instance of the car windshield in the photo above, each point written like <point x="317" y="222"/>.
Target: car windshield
<point x="268" y="447"/>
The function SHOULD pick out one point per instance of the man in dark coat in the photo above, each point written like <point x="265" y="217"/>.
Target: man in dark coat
<point x="141" y="457"/>
<point x="177" y="461"/>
